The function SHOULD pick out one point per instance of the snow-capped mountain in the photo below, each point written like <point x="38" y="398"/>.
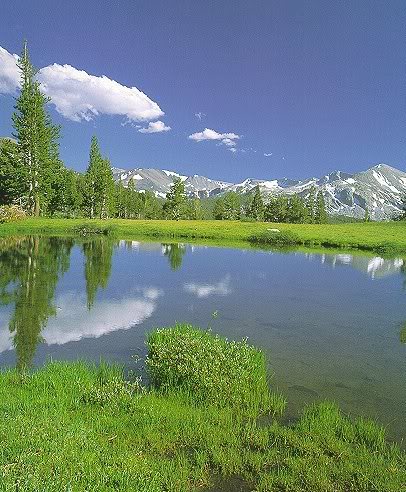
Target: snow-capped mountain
<point x="159" y="182"/>
<point x="379" y="189"/>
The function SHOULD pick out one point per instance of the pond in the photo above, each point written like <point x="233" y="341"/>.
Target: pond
<point x="333" y="326"/>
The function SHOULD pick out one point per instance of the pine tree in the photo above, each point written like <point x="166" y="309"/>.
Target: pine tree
<point x="277" y="209"/>
<point x="256" y="207"/>
<point x="122" y="200"/>
<point x="297" y="210"/>
<point x="175" y="205"/>
<point x="320" y="212"/>
<point x="99" y="185"/>
<point x="218" y="209"/>
<point x="152" y="208"/>
<point x="194" y="209"/>
<point x="12" y="177"/>
<point x="232" y="206"/>
<point x="37" y="138"/>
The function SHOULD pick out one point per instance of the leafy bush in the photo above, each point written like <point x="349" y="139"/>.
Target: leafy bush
<point x="89" y="229"/>
<point x="211" y="369"/>
<point x="11" y="213"/>
<point x="275" y="238"/>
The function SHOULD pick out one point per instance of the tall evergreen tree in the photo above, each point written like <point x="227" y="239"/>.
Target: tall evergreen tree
<point x="99" y="197"/>
<point x="152" y="208"/>
<point x="37" y="138"/>
<point x="122" y="200"/>
<point x="193" y="209"/>
<point x="13" y="184"/>
<point x="276" y="209"/>
<point x="218" y="209"/>
<point x="232" y="206"/>
<point x="135" y="202"/>
<point x="175" y="205"/>
<point x="256" y="207"/>
<point x="297" y="211"/>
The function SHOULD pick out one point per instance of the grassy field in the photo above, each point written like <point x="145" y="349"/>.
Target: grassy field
<point x="78" y="427"/>
<point x="381" y="237"/>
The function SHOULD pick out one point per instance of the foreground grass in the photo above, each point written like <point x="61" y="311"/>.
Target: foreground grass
<point x="77" y="427"/>
<point x="381" y="237"/>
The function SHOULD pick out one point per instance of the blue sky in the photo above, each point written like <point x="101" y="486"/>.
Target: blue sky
<point x="320" y="85"/>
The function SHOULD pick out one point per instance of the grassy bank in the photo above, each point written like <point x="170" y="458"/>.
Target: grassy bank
<point x="76" y="427"/>
<point x="381" y="237"/>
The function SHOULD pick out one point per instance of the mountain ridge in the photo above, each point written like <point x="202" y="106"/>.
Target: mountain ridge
<point x="379" y="189"/>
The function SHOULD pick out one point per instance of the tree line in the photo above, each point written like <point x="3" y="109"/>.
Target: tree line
<point x="280" y="208"/>
<point x="33" y="176"/>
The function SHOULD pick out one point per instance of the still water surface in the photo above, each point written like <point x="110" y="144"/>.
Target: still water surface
<point x="332" y="326"/>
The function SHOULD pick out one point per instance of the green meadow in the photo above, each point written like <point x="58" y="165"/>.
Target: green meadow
<point x="205" y="419"/>
<point x="380" y="237"/>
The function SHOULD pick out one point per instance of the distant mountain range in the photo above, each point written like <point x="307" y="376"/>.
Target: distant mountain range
<point x="379" y="189"/>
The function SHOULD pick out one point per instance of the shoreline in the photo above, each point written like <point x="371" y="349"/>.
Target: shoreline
<point x="384" y="238"/>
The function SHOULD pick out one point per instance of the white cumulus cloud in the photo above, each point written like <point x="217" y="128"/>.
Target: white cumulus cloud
<point x="78" y="95"/>
<point x="155" y="127"/>
<point x="227" y="139"/>
<point x="9" y="72"/>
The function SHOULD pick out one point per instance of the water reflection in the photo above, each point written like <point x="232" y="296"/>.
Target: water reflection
<point x="74" y="322"/>
<point x="30" y="268"/>
<point x="98" y="253"/>
<point x="175" y="253"/>
<point x="202" y="290"/>
<point x="375" y="266"/>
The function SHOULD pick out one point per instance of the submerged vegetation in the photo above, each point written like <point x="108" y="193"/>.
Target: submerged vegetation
<point x="74" y="426"/>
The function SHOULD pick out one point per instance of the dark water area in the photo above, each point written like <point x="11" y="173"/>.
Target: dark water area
<point x="333" y="326"/>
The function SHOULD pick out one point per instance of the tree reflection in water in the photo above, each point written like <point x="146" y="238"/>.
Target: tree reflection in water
<point x="30" y="269"/>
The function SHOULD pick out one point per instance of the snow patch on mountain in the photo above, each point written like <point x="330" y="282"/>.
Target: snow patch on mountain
<point x="379" y="189"/>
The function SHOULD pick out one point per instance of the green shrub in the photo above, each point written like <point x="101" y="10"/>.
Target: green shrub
<point x="11" y="213"/>
<point x="211" y="369"/>
<point x="275" y="238"/>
